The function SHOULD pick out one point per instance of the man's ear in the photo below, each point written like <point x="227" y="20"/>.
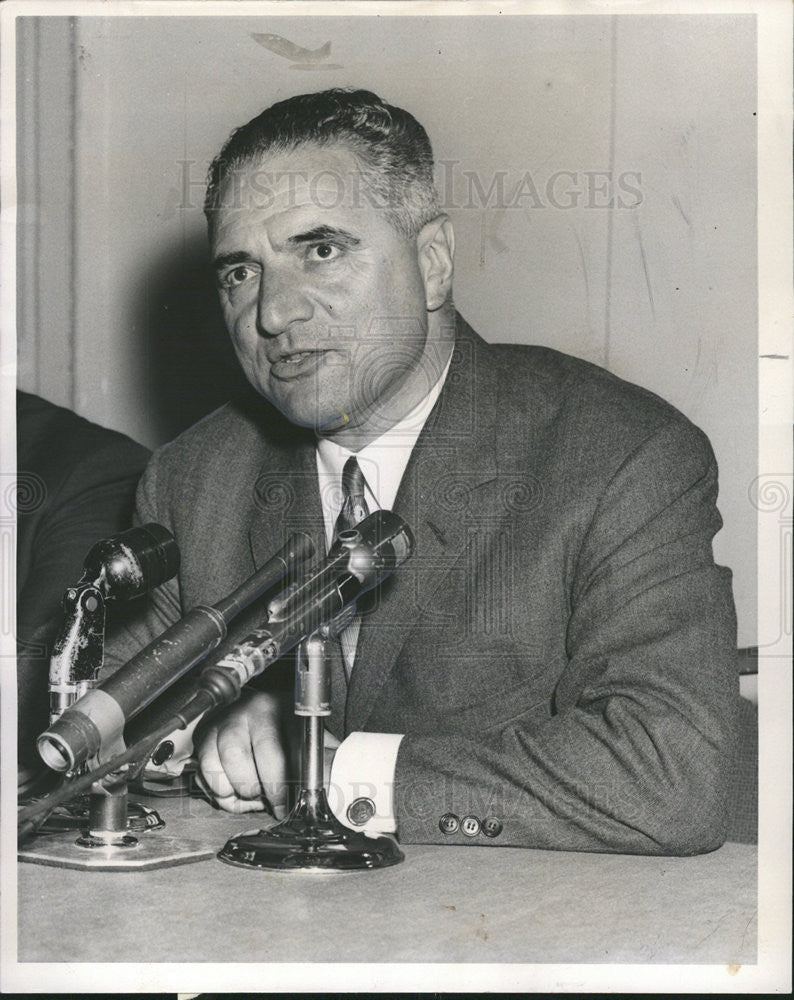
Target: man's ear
<point x="435" y="244"/>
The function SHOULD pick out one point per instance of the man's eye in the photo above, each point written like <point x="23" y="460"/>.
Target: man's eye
<point x="237" y="276"/>
<point x="323" y="251"/>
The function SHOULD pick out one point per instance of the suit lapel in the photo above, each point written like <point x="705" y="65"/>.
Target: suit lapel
<point x="286" y="499"/>
<point x="442" y="493"/>
<point x="274" y="497"/>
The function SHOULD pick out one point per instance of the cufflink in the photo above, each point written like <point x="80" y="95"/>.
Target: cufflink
<point x="491" y="826"/>
<point x="470" y="825"/>
<point x="360" y="811"/>
<point x="448" y="823"/>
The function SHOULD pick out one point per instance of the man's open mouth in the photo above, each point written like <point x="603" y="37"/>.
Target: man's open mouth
<point x="295" y="359"/>
<point x="296" y="364"/>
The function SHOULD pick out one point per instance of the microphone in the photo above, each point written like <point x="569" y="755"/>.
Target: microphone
<point x="97" y="719"/>
<point x="359" y="560"/>
<point x="115" y="569"/>
<point x="132" y="562"/>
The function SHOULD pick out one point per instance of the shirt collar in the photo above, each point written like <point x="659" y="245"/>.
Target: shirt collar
<point x="383" y="461"/>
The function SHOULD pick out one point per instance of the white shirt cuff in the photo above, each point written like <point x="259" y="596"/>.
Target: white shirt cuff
<point x="361" y="791"/>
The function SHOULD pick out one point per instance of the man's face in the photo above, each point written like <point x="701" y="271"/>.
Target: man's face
<point x="323" y="298"/>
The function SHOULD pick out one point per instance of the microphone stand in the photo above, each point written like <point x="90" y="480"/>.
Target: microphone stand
<point x="307" y="614"/>
<point x="106" y="843"/>
<point x="311" y="838"/>
<point x="102" y="816"/>
<point x="113" y="570"/>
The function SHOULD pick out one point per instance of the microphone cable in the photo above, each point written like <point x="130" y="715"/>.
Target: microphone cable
<point x="32" y="816"/>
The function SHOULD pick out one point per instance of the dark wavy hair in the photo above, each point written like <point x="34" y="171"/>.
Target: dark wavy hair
<point x="391" y="145"/>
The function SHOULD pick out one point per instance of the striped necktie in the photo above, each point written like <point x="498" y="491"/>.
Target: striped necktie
<point x="354" y="509"/>
<point x="354" y="504"/>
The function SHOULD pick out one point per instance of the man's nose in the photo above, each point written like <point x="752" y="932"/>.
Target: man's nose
<point x="282" y="301"/>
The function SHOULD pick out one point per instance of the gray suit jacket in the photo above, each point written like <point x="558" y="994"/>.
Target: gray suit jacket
<point x="560" y="651"/>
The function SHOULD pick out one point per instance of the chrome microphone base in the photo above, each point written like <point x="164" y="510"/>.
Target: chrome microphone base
<point x="312" y="840"/>
<point x="150" y="851"/>
<point x="106" y="841"/>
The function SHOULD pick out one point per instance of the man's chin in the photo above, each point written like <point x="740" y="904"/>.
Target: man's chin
<point x="328" y="425"/>
<point x="324" y="424"/>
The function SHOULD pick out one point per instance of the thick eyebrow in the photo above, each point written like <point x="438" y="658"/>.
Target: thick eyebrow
<point x="320" y="234"/>
<point x="227" y="259"/>
<point x="316" y="235"/>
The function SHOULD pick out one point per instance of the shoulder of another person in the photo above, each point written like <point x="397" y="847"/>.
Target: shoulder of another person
<point x="72" y="454"/>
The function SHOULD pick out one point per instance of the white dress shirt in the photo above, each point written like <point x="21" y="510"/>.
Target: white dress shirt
<point x="364" y="763"/>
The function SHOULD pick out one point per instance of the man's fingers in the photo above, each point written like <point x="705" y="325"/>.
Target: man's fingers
<point x="237" y="761"/>
<point x="230" y="803"/>
<point x="212" y="771"/>
<point x="243" y="760"/>
<point x="271" y="766"/>
<point x="233" y="804"/>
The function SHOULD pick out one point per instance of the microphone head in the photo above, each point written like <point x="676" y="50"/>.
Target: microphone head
<point x="358" y="560"/>
<point x="376" y="547"/>
<point x="133" y="562"/>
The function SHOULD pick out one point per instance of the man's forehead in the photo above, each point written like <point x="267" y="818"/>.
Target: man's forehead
<point x="324" y="177"/>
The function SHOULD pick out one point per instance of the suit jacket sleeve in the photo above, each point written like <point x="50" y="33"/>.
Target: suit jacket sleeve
<point x="635" y="755"/>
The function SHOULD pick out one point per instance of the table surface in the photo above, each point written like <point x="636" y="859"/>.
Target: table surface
<point x="442" y="904"/>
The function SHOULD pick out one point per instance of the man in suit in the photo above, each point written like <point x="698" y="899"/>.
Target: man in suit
<point x="555" y="666"/>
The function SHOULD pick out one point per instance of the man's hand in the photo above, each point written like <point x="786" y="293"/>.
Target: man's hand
<point x="243" y="759"/>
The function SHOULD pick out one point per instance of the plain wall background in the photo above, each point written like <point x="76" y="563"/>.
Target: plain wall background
<point x="119" y="117"/>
